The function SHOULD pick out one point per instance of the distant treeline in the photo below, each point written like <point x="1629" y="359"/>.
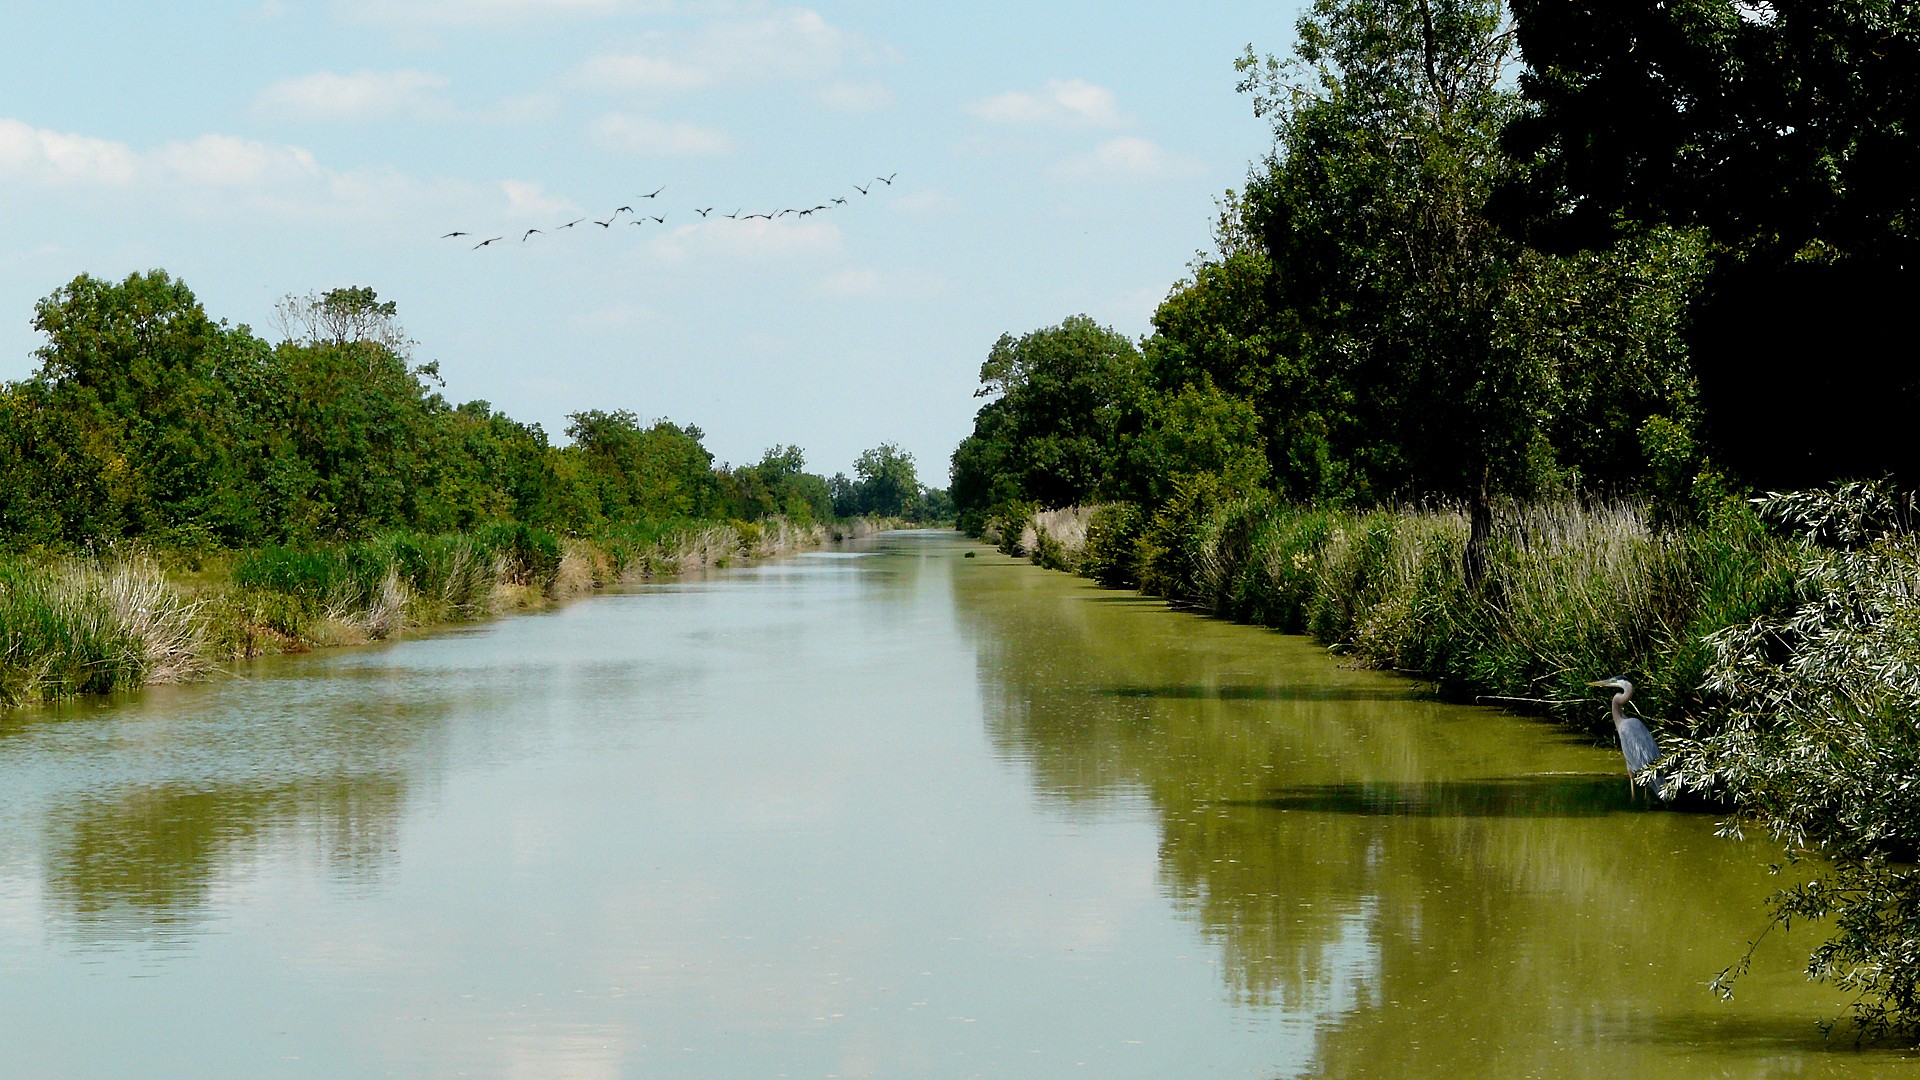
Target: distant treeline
<point x="1495" y="347"/>
<point x="150" y="420"/>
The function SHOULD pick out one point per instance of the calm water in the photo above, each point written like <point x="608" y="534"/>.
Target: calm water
<point x="890" y="812"/>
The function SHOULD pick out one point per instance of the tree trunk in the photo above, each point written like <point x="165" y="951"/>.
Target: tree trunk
<point x="1479" y="529"/>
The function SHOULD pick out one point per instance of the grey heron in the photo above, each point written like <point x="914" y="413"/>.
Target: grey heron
<point x="1636" y="742"/>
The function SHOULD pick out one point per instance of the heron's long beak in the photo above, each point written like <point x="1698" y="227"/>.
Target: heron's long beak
<point x="1601" y="682"/>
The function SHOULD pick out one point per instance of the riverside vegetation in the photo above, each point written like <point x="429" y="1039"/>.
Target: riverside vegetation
<point x="1483" y="381"/>
<point x="98" y="624"/>
<point x="175" y="493"/>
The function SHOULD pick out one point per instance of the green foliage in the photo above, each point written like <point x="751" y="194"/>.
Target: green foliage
<point x="1197" y="430"/>
<point x="58" y="642"/>
<point x="654" y="471"/>
<point x="777" y="485"/>
<point x="1365" y="331"/>
<point x="1113" y="538"/>
<point x="1783" y="132"/>
<point x="1810" y="730"/>
<point x="1783" y="128"/>
<point x="525" y="555"/>
<point x="888" y="485"/>
<point x="1168" y="554"/>
<point x="1065" y="401"/>
<point x="1009" y="524"/>
<point x="1571" y="592"/>
<point x="149" y="420"/>
<point x="92" y="627"/>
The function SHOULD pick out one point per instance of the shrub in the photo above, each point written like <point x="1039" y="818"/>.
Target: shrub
<point x="1113" y="535"/>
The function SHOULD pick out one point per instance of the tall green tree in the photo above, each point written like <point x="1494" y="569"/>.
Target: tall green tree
<point x="1789" y="132"/>
<point x="651" y="471"/>
<point x="1064" y="402"/>
<point x="133" y="428"/>
<point x="887" y="482"/>
<point x="1386" y="124"/>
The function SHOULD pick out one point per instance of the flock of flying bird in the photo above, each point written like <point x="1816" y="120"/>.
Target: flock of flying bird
<point x="634" y="217"/>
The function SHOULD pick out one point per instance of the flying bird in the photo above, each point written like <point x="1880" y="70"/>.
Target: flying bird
<point x="703" y="213"/>
<point x="838" y="201"/>
<point x="484" y="243"/>
<point x="863" y="190"/>
<point x="572" y="223"/>
<point x="887" y="180"/>
<point x="656" y="191"/>
<point x="530" y="232"/>
<point x="605" y="224"/>
<point x="735" y="216"/>
<point x="618" y="209"/>
<point x="452" y="234"/>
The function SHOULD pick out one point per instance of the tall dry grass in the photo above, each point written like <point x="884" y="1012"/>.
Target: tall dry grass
<point x="94" y="626"/>
<point x="79" y="626"/>
<point x="1573" y="591"/>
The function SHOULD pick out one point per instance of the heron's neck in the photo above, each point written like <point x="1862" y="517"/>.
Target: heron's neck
<point x="1618" y="715"/>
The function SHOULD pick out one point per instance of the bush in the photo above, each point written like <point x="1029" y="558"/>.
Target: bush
<point x="1812" y="731"/>
<point x="1112" y="537"/>
<point x="85" y="627"/>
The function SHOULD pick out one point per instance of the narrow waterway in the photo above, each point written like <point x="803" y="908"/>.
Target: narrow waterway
<point x="891" y="811"/>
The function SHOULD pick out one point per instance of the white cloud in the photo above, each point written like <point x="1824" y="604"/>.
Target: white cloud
<point x="794" y="45"/>
<point x="752" y="241"/>
<point x="620" y="316"/>
<point x="1061" y="102"/>
<point x="868" y="284"/>
<point x="421" y="13"/>
<point x="645" y="135"/>
<point x="526" y="199"/>
<point x="1126" y="159"/>
<point x="325" y="95"/>
<point x="224" y="161"/>
<point x="637" y="72"/>
<point x="854" y="96"/>
<point x="57" y="159"/>
<point x="210" y="173"/>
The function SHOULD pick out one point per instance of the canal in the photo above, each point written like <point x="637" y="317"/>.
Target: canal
<point x="904" y="809"/>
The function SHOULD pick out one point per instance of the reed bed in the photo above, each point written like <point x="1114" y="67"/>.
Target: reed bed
<point x="1573" y="591"/>
<point x="98" y="625"/>
<point x="94" y="626"/>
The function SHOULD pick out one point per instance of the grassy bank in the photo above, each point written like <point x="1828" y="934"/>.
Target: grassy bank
<point x="1776" y="648"/>
<point x="95" y="625"/>
<point x="1571" y="593"/>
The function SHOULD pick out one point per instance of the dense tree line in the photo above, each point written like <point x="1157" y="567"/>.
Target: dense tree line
<point x="1559" y="249"/>
<point x="150" y="420"/>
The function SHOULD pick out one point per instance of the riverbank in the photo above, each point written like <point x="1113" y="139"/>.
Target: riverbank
<point x="1572" y="592"/>
<point x="1772" y="646"/>
<point x="133" y="616"/>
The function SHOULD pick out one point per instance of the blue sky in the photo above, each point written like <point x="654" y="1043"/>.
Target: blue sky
<point x="1051" y="160"/>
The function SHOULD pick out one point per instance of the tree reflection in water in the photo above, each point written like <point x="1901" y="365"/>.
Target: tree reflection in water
<point x="1431" y="882"/>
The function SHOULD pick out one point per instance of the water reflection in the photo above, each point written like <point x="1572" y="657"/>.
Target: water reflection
<point x="886" y="813"/>
<point x="141" y="863"/>
<point x="1519" y="796"/>
<point x="1430" y="884"/>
